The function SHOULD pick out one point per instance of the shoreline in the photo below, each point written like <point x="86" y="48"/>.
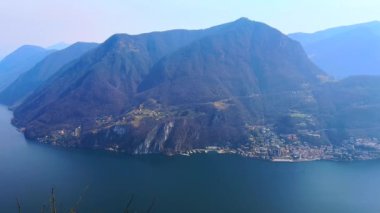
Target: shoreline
<point x="351" y="151"/>
<point x="214" y="150"/>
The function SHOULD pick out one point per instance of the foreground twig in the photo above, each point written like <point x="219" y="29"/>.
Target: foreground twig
<point x="53" y="207"/>
<point x="18" y="205"/>
<point x="151" y="206"/>
<point x="129" y="204"/>
<point x="43" y="208"/>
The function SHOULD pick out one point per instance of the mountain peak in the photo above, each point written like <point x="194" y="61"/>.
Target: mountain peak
<point x="25" y="50"/>
<point x="241" y="24"/>
<point x="243" y="21"/>
<point x="29" y="47"/>
<point x="20" y="61"/>
<point x="117" y="38"/>
<point x="116" y="41"/>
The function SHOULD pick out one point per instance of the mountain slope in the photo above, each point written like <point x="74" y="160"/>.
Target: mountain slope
<point x="20" y="61"/>
<point x="104" y="81"/>
<point x="244" y="59"/>
<point x="345" y="51"/>
<point x="175" y="91"/>
<point x="35" y="77"/>
<point x="350" y="108"/>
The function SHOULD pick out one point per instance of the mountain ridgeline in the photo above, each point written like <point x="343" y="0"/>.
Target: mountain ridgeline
<point x="345" y="51"/>
<point x="41" y="72"/>
<point x="238" y="86"/>
<point x="20" y="61"/>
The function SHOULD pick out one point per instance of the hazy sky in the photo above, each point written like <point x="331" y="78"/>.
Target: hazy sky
<point x="45" y="22"/>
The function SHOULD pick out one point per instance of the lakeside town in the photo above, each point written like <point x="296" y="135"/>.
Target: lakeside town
<point x="291" y="149"/>
<point x="356" y="149"/>
<point x="265" y="144"/>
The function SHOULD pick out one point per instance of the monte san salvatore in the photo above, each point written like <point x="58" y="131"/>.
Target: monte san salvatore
<point x="189" y="106"/>
<point x="242" y="87"/>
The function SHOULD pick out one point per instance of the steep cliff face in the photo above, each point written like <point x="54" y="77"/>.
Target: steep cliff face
<point x="176" y="91"/>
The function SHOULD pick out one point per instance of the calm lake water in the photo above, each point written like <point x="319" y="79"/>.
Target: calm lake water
<point x="201" y="183"/>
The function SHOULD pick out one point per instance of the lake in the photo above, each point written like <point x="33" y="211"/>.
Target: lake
<point x="104" y="182"/>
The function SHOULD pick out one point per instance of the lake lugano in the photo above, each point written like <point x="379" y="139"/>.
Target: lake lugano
<point x="104" y="182"/>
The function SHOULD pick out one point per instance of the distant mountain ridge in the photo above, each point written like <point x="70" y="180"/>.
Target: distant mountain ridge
<point x="41" y="72"/>
<point x="345" y="51"/>
<point x="20" y="61"/>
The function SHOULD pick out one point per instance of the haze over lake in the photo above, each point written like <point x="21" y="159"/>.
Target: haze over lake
<point x="200" y="183"/>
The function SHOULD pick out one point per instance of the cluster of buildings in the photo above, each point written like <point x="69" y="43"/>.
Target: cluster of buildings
<point x="263" y="142"/>
<point x="267" y="145"/>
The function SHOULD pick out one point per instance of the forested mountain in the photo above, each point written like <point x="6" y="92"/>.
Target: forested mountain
<point x="20" y="61"/>
<point x="41" y="72"/>
<point x="241" y="86"/>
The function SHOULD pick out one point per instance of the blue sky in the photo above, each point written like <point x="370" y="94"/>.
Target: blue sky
<point x="45" y="22"/>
